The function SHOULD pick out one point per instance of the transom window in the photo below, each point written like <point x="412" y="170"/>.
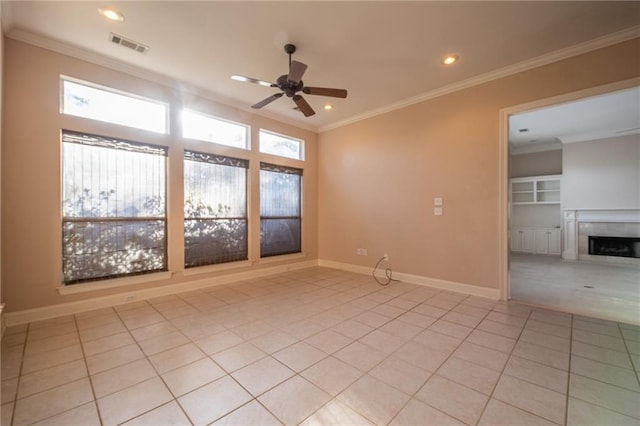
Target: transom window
<point x="215" y="209"/>
<point x="280" y="210"/>
<point x="109" y="105"/>
<point x="283" y="146"/>
<point x="210" y="129"/>
<point x="114" y="208"/>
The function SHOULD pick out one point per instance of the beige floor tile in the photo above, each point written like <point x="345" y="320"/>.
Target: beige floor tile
<point x="133" y="401"/>
<point x="107" y="343"/>
<point x="468" y="308"/>
<point x="462" y="319"/>
<point x="470" y="375"/>
<point x="515" y="321"/>
<point x="192" y="376"/>
<point x="122" y="377"/>
<point x="360" y="356"/>
<point x="532" y="398"/>
<point x="48" y="359"/>
<point x="110" y="359"/>
<point x="401" y="329"/>
<point x="51" y="321"/>
<point x="610" y="329"/>
<point x="630" y="334"/>
<point x="552" y="317"/>
<point x="542" y="355"/>
<point x="219" y="342"/>
<point x="51" y="332"/>
<point x="550" y="329"/>
<point x="605" y="373"/>
<point x="274" y="341"/>
<point x="498" y="413"/>
<point x="372" y="319"/>
<point x="608" y="396"/>
<point x="50" y="378"/>
<point x="428" y="359"/>
<point x="499" y="328"/>
<point x="581" y="413"/>
<point x="430" y="311"/>
<point x="98" y="321"/>
<point x="419" y="320"/>
<point x="514" y="309"/>
<point x="546" y="341"/>
<point x="154" y="330"/>
<point x="8" y="391"/>
<point x="437" y="340"/>
<point x="400" y="374"/>
<point x="12" y="361"/>
<point x="94" y="333"/>
<point x="52" y="402"/>
<point x="138" y="321"/>
<point x="253" y="329"/>
<point x="262" y="375"/>
<point x="596" y="353"/>
<point x="299" y="356"/>
<point x="169" y="414"/>
<point x="84" y="415"/>
<point x="200" y="330"/>
<point x="482" y="356"/>
<point x="388" y="310"/>
<point x="294" y="400"/>
<point x="374" y="399"/>
<point x="329" y="341"/>
<point x="492" y="341"/>
<point x="6" y="413"/>
<point x="336" y="413"/>
<point x="252" y="414"/>
<point x="238" y="356"/>
<point x="353" y="329"/>
<point x="604" y="341"/>
<point x="48" y="344"/>
<point x="159" y="344"/>
<point x="456" y="400"/>
<point x="539" y="374"/>
<point x="418" y="413"/>
<point x="226" y="393"/>
<point x="176" y="357"/>
<point x="15" y="339"/>
<point x="382" y="341"/>
<point x="332" y="375"/>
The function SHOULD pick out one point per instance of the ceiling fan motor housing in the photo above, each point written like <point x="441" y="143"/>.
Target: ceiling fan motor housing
<point x="288" y="87"/>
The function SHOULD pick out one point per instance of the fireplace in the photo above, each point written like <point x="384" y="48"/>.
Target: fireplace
<point x="614" y="246"/>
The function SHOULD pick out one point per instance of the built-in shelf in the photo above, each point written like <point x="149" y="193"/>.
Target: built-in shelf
<point x="536" y="190"/>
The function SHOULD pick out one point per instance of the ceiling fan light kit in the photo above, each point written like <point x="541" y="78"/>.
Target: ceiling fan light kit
<point x="291" y="84"/>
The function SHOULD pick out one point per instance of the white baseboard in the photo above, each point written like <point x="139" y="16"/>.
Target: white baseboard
<point x="473" y="290"/>
<point x="3" y="324"/>
<point x="61" y="309"/>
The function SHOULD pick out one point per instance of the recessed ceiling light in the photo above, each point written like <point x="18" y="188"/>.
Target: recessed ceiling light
<point x="111" y="14"/>
<point x="450" y="59"/>
<point x="328" y="107"/>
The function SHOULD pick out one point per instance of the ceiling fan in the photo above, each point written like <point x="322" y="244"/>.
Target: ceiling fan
<point x="290" y="84"/>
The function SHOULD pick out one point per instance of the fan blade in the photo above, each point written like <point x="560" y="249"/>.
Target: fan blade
<point x="303" y="105"/>
<point x="267" y="101"/>
<point x="252" y="80"/>
<point x="296" y="70"/>
<point x="323" y="91"/>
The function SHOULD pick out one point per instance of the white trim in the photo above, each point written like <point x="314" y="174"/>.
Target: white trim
<point x="473" y="290"/>
<point x="3" y="325"/>
<point x="503" y="166"/>
<point x="205" y="269"/>
<point x="113" y="283"/>
<point x="46" y="312"/>
<point x="281" y="258"/>
<point x="548" y="58"/>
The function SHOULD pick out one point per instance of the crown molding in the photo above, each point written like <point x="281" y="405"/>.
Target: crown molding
<point x="548" y="58"/>
<point x="155" y="77"/>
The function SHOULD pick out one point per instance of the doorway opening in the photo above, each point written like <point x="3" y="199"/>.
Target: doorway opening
<point x="571" y="175"/>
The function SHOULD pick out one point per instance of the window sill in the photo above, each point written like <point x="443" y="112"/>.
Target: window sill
<point x="113" y="283"/>
<point x="197" y="270"/>
<point x="282" y="258"/>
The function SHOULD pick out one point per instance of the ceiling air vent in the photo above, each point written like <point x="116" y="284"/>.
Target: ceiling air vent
<point x="133" y="45"/>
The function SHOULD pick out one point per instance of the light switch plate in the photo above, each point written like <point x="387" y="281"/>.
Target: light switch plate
<point x="437" y="211"/>
<point x="437" y="201"/>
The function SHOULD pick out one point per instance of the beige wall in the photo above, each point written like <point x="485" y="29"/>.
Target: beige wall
<point x="31" y="215"/>
<point x="377" y="178"/>
<point x="536" y="164"/>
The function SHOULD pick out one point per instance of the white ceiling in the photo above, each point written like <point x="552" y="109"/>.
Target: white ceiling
<point x="384" y="53"/>
<point x="606" y="116"/>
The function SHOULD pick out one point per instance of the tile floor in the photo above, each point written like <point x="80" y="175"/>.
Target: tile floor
<point x="603" y="291"/>
<point x="321" y="347"/>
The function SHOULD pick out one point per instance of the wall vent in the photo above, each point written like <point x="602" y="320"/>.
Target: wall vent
<point x="133" y="45"/>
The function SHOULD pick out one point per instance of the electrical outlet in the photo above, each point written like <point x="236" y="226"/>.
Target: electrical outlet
<point x="130" y="298"/>
<point x="437" y="211"/>
<point x="364" y="252"/>
<point x="386" y="256"/>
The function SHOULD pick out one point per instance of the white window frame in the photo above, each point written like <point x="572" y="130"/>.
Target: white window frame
<point x="300" y="141"/>
<point x="247" y="129"/>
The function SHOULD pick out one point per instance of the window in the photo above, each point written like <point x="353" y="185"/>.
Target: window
<point x="114" y="208"/>
<point x="111" y="106"/>
<point x="205" y="128"/>
<point x="215" y="209"/>
<point x="280" y="210"/>
<point x="283" y="146"/>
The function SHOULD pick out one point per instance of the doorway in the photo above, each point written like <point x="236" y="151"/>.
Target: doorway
<point x="559" y="186"/>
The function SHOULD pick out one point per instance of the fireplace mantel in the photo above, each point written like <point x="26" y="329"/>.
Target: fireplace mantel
<point x="571" y="219"/>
